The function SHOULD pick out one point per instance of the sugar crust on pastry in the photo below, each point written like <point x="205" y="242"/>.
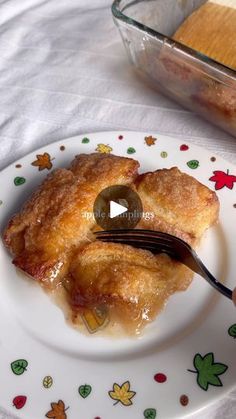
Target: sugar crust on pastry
<point x="181" y="205"/>
<point x="52" y="241"/>
<point x="43" y="236"/>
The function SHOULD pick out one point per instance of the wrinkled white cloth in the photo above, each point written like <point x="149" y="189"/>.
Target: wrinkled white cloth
<point x="64" y="71"/>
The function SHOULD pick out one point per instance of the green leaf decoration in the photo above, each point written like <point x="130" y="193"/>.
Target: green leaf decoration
<point x="19" y="366"/>
<point x="131" y="150"/>
<point x="85" y="390"/>
<point x="232" y="331"/>
<point x="197" y="362"/>
<point x="19" y="180"/>
<point x="208" y="371"/>
<point x="85" y="140"/>
<point x="193" y="164"/>
<point x="150" y="413"/>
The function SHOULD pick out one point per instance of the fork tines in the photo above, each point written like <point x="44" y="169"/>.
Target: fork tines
<point x="146" y="239"/>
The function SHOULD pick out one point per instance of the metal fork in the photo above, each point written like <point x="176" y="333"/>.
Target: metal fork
<point x="158" y="242"/>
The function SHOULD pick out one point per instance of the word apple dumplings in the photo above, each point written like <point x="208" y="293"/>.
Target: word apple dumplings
<point x="51" y="241"/>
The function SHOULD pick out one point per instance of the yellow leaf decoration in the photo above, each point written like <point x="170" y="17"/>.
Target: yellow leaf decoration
<point x="150" y="140"/>
<point x="47" y="381"/>
<point x="122" y="393"/>
<point x="104" y="148"/>
<point x="43" y="161"/>
<point x="95" y="319"/>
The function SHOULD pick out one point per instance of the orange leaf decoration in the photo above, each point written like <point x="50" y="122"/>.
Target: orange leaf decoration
<point x="58" y="411"/>
<point x="150" y="140"/>
<point x="43" y="161"/>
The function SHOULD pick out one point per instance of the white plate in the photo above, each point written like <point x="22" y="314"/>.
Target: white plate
<point x="194" y="322"/>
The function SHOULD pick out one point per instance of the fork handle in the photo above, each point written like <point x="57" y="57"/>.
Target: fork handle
<point x="189" y="257"/>
<point x="203" y="271"/>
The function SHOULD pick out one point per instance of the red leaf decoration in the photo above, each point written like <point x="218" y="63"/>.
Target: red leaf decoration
<point x="223" y="179"/>
<point x="19" y="401"/>
<point x="184" y="147"/>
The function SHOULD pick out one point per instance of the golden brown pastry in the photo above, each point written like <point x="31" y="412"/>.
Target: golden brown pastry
<point x="51" y="238"/>
<point x="133" y="283"/>
<point x="104" y="168"/>
<point x="52" y="224"/>
<point x="211" y="30"/>
<point x="181" y="205"/>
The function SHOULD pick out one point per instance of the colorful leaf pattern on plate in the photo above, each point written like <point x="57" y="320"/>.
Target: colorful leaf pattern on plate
<point x="85" y="140"/>
<point x="104" y="148"/>
<point x="47" y="381"/>
<point x="193" y="164"/>
<point x="223" y="179"/>
<point x="122" y="393"/>
<point x="150" y="414"/>
<point x="85" y="390"/>
<point x="208" y="370"/>
<point x="19" y="366"/>
<point x="19" y="401"/>
<point x="150" y="140"/>
<point x="131" y="150"/>
<point x="164" y="154"/>
<point x="19" y="180"/>
<point x="232" y="331"/>
<point x="57" y="411"/>
<point x="43" y="161"/>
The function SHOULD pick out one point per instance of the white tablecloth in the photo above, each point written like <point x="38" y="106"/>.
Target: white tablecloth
<point x="63" y="71"/>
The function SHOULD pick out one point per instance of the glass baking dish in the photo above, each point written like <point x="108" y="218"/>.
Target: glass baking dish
<point x="191" y="78"/>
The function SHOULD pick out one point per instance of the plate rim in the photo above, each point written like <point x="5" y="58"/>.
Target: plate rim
<point x="111" y="133"/>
